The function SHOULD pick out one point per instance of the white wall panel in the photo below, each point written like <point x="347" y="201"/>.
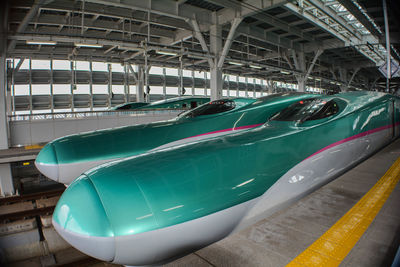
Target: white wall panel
<point x="42" y="131"/>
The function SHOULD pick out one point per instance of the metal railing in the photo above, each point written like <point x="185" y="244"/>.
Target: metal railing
<point x="89" y="114"/>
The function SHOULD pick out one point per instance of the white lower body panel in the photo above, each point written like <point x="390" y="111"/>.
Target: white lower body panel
<point x="162" y="245"/>
<point x="315" y="172"/>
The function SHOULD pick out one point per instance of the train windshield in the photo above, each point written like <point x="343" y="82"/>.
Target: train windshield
<point x="127" y="106"/>
<point x="213" y="107"/>
<point x="306" y="110"/>
<point x="130" y="106"/>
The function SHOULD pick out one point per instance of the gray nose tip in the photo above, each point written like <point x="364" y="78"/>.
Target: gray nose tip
<point x="46" y="162"/>
<point x="80" y="219"/>
<point x="48" y="170"/>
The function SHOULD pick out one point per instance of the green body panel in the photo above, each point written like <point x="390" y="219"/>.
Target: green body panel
<point x="133" y="140"/>
<point x="195" y="180"/>
<point x="48" y="154"/>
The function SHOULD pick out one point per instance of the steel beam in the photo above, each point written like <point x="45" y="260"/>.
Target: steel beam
<point x="233" y="10"/>
<point x="245" y="9"/>
<point x="16" y="69"/>
<point x="200" y="37"/>
<point x="228" y="41"/>
<point x="100" y="25"/>
<point x="356" y="12"/>
<point x="333" y="15"/>
<point x="163" y="8"/>
<point x="310" y="68"/>
<point x="28" y="17"/>
<point x="324" y="25"/>
<point x="272" y="38"/>
<point x="353" y="75"/>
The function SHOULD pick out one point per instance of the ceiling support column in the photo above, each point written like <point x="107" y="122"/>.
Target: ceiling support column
<point x="215" y="71"/>
<point x="126" y="82"/>
<point x="3" y="78"/>
<point x="6" y="182"/>
<point x="3" y="103"/>
<point x="270" y="86"/>
<point x="343" y="79"/>
<point x="219" y="53"/>
<point x="387" y="38"/>
<point x="140" y="84"/>
<point x="216" y="83"/>
<point x="302" y="84"/>
<point x="300" y="64"/>
<point x="110" y="92"/>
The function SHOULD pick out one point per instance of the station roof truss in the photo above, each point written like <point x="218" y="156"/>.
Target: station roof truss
<point x="267" y="43"/>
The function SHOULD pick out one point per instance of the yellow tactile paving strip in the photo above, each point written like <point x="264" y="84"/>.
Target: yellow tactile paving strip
<point x="334" y="245"/>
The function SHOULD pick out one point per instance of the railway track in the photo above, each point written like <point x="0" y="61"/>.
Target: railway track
<point x="29" y="205"/>
<point x="34" y="208"/>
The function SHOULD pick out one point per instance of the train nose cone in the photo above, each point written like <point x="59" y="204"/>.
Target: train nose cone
<point x="80" y="219"/>
<point x="46" y="162"/>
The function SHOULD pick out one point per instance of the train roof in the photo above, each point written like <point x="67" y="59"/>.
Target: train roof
<point x="177" y="99"/>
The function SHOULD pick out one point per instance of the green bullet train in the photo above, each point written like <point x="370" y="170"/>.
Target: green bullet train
<point x="66" y="158"/>
<point x="157" y="206"/>
<point x="183" y="102"/>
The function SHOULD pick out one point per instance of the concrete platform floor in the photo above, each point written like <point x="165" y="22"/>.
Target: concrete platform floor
<point x="277" y="240"/>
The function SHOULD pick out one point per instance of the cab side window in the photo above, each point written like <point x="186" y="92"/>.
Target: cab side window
<point x="214" y="107"/>
<point x="329" y="109"/>
<point x="307" y="110"/>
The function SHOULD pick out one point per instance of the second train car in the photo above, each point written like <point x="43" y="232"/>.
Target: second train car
<point x="66" y="158"/>
<point x="183" y="102"/>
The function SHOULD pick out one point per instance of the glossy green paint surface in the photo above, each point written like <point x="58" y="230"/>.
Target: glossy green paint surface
<point x="134" y="140"/>
<point x="90" y="210"/>
<point x="184" y="183"/>
<point x="48" y="154"/>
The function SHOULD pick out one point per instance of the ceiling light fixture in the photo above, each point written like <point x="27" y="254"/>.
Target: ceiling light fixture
<point x="235" y="63"/>
<point x="89" y="45"/>
<point x="255" y="67"/>
<point x="166" y="53"/>
<point x="285" y="72"/>
<point x="32" y="42"/>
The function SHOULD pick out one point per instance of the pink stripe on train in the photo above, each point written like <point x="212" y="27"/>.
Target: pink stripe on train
<point x="354" y="137"/>
<point x="227" y="130"/>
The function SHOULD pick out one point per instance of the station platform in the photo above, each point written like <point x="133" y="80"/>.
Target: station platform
<point x="279" y="239"/>
<point x="17" y="154"/>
